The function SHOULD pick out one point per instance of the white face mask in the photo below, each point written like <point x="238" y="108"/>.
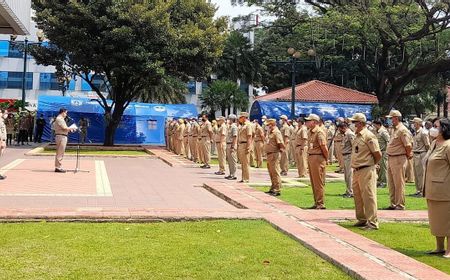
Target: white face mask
<point x="434" y="132"/>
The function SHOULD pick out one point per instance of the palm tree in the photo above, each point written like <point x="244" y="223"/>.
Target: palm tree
<point x="169" y="91"/>
<point x="222" y="95"/>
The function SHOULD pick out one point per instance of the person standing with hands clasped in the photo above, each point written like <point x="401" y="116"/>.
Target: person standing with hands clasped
<point x="365" y="155"/>
<point x="61" y="132"/>
<point x="273" y="147"/>
<point x="437" y="186"/>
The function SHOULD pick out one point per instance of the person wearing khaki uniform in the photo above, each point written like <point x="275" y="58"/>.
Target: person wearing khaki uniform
<point x="409" y="173"/>
<point x="286" y="133"/>
<point x="273" y="148"/>
<point x="245" y="145"/>
<point x="207" y="138"/>
<point x="186" y="135"/>
<point x="399" y="150"/>
<point x="317" y="159"/>
<point x="199" y="142"/>
<point x="293" y="126"/>
<point x="421" y="145"/>
<point x="221" y="144"/>
<point x="383" y="140"/>
<point x="301" y="142"/>
<point x="346" y="149"/>
<point x="437" y="186"/>
<point x="365" y="155"/>
<point x="193" y="136"/>
<point x="338" y="147"/>
<point x="331" y="132"/>
<point x="180" y="137"/>
<point x="61" y="132"/>
<point x="232" y="144"/>
<point x="259" y="144"/>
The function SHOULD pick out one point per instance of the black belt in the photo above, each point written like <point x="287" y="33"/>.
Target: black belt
<point x="346" y="154"/>
<point x="62" y="134"/>
<point x="242" y="142"/>
<point x="418" y="153"/>
<point x="230" y="143"/>
<point x="397" y="155"/>
<point x="300" y="146"/>
<point x="362" y="167"/>
<point x="271" y="153"/>
<point x="315" y="154"/>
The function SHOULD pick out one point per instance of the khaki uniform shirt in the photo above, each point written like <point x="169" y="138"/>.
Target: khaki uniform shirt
<point x="437" y="173"/>
<point x="400" y="138"/>
<point x="274" y="139"/>
<point x="330" y="133"/>
<point x="245" y="132"/>
<point x="316" y="138"/>
<point x="338" y="138"/>
<point x="364" y="145"/>
<point x="221" y="133"/>
<point x="383" y="138"/>
<point x="301" y="136"/>
<point x="180" y="131"/>
<point x="60" y="126"/>
<point x="259" y="133"/>
<point x="187" y="130"/>
<point x="293" y="133"/>
<point x="347" y="141"/>
<point x="206" y="129"/>
<point x="421" y="141"/>
<point x="232" y="132"/>
<point x="195" y="129"/>
<point x="285" y="131"/>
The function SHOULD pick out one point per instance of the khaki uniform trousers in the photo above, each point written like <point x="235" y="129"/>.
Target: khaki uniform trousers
<point x="419" y="170"/>
<point x="200" y="151"/>
<point x="330" y="143"/>
<point x="382" y="173"/>
<point x="273" y="166"/>
<point x="206" y="150"/>
<point x="187" y="150"/>
<point x="180" y="149"/>
<point x="221" y="155"/>
<point x="338" y="155"/>
<point x="410" y="171"/>
<point x="348" y="173"/>
<point x="284" y="161"/>
<point x="365" y="195"/>
<point x="259" y="147"/>
<point x="232" y="160"/>
<point x="292" y="156"/>
<point x="301" y="160"/>
<point x="252" y="156"/>
<point x="61" y="143"/>
<point x="316" y="165"/>
<point x="396" y="179"/>
<point x="193" y="148"/>
<point x="244" y="158"/>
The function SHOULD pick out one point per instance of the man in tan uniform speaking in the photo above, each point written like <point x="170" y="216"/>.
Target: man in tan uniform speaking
<point x="61" y="131"/>
<point x="273" y="148"/>
<point x="365" y="155"/>
<point x="317" y="159"/>
<point x="399" y="150"/>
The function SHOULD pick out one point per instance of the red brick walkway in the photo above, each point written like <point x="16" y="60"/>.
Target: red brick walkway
<point x="148" y="189"/>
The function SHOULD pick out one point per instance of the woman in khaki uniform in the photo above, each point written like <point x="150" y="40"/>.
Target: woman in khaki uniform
<point x="437" y="186"/>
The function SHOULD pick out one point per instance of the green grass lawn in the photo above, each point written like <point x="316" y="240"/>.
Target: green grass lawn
<point x="303" y="197"/>
<point x="410" y="239"/>
<point x="101" y="152"/>
<point x="186" y="250"/>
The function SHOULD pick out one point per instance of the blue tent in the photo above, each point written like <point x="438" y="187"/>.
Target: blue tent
<point x="328" y="111"/>
<point x="142" y="123"/>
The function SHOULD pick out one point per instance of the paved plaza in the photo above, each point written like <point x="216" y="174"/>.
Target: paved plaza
<point x="164" y="186"/>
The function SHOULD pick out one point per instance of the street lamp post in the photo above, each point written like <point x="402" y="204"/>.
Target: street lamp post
<point x="26" y="44"/>
<point x="294" y="61"/>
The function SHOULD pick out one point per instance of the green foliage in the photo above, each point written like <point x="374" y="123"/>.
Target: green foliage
<point x="184" y="250"/>
<point x="222" y="95"/>
<point x="238" y="61"/>
<point x="169" y="91"/>
<point x="131" y="45"/>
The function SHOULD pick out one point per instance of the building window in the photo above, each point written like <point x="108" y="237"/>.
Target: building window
<point x="15" y="50"/>
<point x="191" y="85"/>
<point x="13" y="80"/>
<point x="98" y="81"/>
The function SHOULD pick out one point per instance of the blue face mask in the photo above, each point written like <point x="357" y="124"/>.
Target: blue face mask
<point x="389" y="122"/>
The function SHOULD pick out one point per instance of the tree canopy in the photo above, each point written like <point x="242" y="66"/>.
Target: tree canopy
<point x="131" y="45"/>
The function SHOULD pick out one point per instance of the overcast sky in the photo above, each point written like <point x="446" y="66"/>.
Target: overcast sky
<point x="226" y="9"/>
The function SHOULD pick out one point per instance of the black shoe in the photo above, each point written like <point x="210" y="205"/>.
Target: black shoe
<point x="390" y="208"/>
<point x="207" y="167"/>
<point x="227" y="177"/>
<point x="435" y="252"/>
<point x="219" y="173"/>
<point x="275" y="194"/>
<point x="59" y="170"/>
<point x="269" y="192"/>
<point x="2" y="177"/>
<point x="232" y="178"/>
<point x="313" y="207"/>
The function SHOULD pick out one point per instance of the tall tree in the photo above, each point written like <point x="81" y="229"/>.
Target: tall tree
<point x="131" y="45"/>
<point x="391" y="43"/>
<point x="223" y="95"/>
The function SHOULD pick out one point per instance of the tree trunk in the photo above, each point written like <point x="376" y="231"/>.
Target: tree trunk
<point x="223" y="109"/>
<point x="112" y="121"/>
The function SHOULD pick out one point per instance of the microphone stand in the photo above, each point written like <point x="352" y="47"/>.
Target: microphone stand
<point x="77" y="165"/>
